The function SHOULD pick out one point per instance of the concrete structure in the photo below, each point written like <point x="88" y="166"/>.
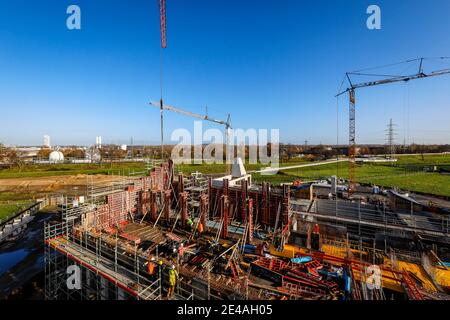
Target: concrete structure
<point x="399" y="201"/>
<point x="132" y="220"/>
<point x="238" y="175"/>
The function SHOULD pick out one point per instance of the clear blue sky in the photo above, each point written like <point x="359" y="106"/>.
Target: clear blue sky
<point x="271" y="64"/>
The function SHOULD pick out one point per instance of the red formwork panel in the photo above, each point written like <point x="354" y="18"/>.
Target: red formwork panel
<point x="144" y="202"/>
<point x="102" y="216"/>
<point x="118" y="207"/>
<point x="265" y="202"/>
<point x="133" y="200"/>
<point x="159" y="177"/>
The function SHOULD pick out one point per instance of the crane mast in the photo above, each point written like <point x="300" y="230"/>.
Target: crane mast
<point x="352" y="105"/>
<point x="162" y="24"/>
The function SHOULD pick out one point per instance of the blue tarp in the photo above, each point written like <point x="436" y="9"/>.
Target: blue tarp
<point x="249" y="248"/>
<point x="301" y="187"/>
<point x="326" y="273"/>
<point x="347" y="282"/>
<point x="301" y="260"/>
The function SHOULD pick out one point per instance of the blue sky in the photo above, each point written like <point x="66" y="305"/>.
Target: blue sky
<point x="271" y="64"/>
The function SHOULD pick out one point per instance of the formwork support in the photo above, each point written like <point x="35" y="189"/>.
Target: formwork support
<point x="286" y="203"/>
<point x="250" y="221"/>
<point x="244" y="189"/>
<point x="170" y="172"/>
<point x="144" y="198"/>
<point x="224" y="209"/>
<point x="184" y="208"/>
<point x="204" y="209"/>
<point x="182" y="200"/>
<point x="167" y="197"/>
<point x="154" y="207"/>
<point x="265" y="203"/>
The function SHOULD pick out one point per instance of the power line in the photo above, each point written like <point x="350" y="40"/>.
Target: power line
<point x="390" y="137"/>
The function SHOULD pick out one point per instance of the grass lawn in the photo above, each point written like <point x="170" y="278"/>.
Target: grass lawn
<point x="46" y="170"/>
<point x="9" y="209"/>
<point x="407" y="174"/>
<point x="428" y="159"/>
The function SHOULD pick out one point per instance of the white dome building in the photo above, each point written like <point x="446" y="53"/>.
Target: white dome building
<point x="56" y="156"/>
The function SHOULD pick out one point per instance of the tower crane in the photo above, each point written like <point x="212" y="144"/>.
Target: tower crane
<point x="225" y="123"/>
<point x="162" y="25"/>
<point x="387" y="79"/>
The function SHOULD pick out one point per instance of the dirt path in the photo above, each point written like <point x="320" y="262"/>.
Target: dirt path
<point x="52" y="184"/>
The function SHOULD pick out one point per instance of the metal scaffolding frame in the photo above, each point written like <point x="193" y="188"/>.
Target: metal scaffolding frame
<point x="110" y="268"/>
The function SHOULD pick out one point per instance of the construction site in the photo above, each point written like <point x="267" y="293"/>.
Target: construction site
<point x="163" y="234"/>
<point x="228" y="238"/>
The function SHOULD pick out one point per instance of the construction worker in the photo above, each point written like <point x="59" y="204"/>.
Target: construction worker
<point x="277" y="241"/>
<point x="200" y="229"/>
<point x="174" y="251"/>
<point x="181" y="253"/>
<point x="190" y="223"/>
<point x="173" y="276"/>
<point x="160" y="268"/>
<point x="151" y="267"/>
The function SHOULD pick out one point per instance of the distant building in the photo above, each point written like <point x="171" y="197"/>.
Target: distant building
<point x="98" y="142"/>
<point x="56" y="157"/>
<point x="27" y="153"/>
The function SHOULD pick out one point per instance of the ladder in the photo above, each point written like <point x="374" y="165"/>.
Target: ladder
<point x="411" y="288"/>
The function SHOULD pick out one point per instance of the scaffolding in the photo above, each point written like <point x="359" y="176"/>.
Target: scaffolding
<point x="98" y="235"/>
<point x="112" y="233"/>
<point x="111" y="269"/>
<point x="365" y="220"/>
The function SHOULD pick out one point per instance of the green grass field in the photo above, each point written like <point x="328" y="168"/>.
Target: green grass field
<point x="407" y="174"/>
<point x="124" y="168"/>
<point x="10" y="208"/>
<point x="46" y="170"/>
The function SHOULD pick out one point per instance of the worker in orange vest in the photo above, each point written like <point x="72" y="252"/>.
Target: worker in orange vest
<point x="151" y="267"/>
<point x="200" y="229"/>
